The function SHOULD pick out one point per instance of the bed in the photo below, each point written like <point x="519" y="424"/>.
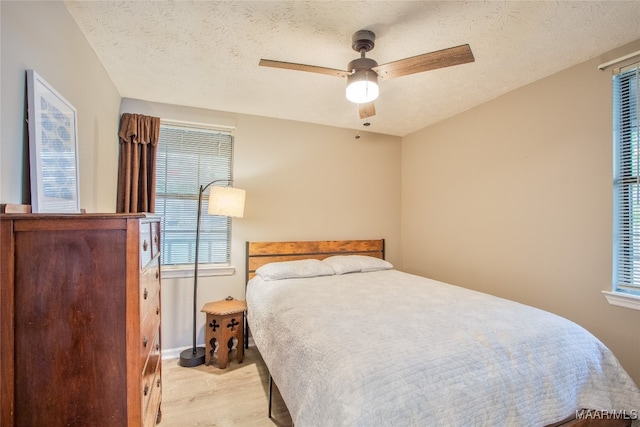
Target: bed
<point x="351" y="341"/>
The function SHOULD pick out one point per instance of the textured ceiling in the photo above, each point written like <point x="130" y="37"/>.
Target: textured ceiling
<point x="205" y="53"/>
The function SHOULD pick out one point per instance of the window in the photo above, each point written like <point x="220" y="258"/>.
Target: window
<point x="188" y="157"/>
<point x="626" y="194"/>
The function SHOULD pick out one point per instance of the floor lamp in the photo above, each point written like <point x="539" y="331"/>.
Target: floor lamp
<point x="225" y="201"/>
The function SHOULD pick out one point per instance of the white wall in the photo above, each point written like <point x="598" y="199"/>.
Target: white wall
<point x="303" y="182"/>
<point x="41" y="35"/>
<point x="514" y="198"/>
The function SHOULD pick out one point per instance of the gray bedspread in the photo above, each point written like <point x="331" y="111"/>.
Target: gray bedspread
<point x="388" y="348"/>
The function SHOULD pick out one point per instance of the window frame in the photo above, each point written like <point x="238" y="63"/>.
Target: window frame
<point x="626" y="187"/>
<point x="204" y="268"/>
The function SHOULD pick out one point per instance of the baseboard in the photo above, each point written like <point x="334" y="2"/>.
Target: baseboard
<point x="174" y="353"/>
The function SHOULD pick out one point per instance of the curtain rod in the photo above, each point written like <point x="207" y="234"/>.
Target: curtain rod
<point x="602" y="67"/>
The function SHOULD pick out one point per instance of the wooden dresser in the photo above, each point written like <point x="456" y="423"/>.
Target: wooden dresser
<point x="80" y="320"/>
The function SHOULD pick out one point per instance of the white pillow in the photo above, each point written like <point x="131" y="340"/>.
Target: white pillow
<point x="294" y="269"/>
<point x="343" y="264"/>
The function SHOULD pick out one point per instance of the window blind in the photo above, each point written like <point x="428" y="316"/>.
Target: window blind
<point x="189" y="157"/>
<point x="626" y="103"/>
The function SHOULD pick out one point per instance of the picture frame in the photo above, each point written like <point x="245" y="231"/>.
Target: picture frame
<point x="53" y="149"/>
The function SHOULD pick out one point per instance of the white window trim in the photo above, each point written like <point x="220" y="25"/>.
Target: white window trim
<point x="622" y="299"/>
<point x="616" y="296"/>
<point x="204" y="270"/>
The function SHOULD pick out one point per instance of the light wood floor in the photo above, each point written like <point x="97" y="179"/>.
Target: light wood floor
<point x="207" y="396"/>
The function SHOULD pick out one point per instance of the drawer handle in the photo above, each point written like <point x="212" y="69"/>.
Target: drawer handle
<point x="157" y="274"/>
<point x="146" y="293"/>
<point x="145" y="246"/>
<point x="158" y="383"/>
<point x="145" y="341"/>
<point x="146" y="389"/>
<point x="155" y="238"/>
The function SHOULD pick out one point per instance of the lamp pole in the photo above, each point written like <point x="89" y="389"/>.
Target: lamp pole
<point x="196" y="355"/>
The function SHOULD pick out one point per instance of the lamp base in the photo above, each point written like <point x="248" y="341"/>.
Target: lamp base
<point x="190" y="359"/>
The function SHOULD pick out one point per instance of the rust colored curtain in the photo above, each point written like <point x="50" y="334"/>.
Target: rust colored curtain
<point x="138" y="137"/>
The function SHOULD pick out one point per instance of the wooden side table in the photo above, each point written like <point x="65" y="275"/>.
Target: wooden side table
<point x="225" y="321"/>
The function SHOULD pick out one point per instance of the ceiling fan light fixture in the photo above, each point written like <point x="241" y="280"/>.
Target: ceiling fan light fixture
<point x="362" y="87"/>
<point x="362" y="73"/>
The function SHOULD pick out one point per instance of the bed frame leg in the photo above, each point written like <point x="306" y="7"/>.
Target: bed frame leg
<point x="270" y="394"/>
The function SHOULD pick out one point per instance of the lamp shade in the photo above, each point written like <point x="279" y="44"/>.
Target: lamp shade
<point x="362" y="86"/>
<point x="227" y="201"/>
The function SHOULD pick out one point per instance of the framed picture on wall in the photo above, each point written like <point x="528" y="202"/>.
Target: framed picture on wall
<point x="53" y="148"/>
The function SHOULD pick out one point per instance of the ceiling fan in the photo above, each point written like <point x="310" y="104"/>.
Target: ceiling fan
<point x="362" y="73"/>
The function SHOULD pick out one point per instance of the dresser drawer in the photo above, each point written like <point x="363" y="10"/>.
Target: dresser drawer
<point x="149" y="328"/>
<point x="145" y="244"/>
<point x="149" y="288"/>
<point x="155" y="238"/>
<point x="151" y="384"/>
<point x="150" y="413"/>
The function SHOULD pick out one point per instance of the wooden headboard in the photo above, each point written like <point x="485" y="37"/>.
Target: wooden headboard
<point x="260" y="253"/>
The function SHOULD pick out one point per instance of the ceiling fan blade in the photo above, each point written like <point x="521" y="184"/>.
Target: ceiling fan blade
<point x="367" y="110"/>
<point x="303" y="67"/>
<point x="425" y="62"/>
